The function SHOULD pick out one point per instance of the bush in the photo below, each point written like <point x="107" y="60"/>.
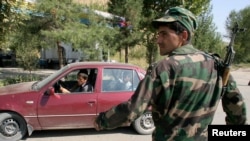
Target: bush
<point x="19" y="79"/>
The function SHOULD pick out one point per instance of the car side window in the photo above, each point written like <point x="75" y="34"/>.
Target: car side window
<point x="77" y="81"/>
<point x="119" y="80"/>
<point x="135" y="81"/>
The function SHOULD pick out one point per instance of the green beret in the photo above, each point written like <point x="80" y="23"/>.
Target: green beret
<point x="182" y="15"/>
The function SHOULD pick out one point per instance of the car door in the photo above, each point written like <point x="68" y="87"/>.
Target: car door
<point x="65" y="111"/>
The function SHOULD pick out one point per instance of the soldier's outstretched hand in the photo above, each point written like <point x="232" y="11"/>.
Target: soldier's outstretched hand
<point x="97" y="128"/>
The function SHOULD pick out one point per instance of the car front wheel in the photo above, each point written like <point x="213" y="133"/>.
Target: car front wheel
<point x="144" y="124"/>
<point x="12" y="127"/>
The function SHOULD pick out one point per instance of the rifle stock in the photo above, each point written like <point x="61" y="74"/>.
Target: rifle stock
<point x="226" y="76"/>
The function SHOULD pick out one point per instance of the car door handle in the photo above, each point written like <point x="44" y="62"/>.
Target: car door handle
<point x="91" y="102"/>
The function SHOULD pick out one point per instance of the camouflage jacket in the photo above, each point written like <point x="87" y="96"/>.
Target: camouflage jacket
<point x="184" y="90"/>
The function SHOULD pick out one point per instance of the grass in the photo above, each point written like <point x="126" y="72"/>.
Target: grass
<point x="242" y="65"/>
<point x="1" y="83"/>
<point x="142" y="62"/>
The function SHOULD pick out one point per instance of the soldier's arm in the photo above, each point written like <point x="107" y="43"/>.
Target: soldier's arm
<point x="233" y="104"/>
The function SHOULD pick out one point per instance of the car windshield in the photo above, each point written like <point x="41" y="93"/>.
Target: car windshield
<point x="40" y="84"/>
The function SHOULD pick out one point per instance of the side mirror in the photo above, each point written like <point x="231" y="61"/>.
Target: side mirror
<point x="51" y="91"/>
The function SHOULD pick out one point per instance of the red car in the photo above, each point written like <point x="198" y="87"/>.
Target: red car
<point x="30" y="106"/>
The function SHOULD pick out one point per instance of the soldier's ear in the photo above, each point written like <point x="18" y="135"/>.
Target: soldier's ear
<point x="184" y="35"/>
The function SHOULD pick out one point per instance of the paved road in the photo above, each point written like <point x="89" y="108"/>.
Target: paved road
<point x="242" y="77"/>
<point x="119" y="134"/>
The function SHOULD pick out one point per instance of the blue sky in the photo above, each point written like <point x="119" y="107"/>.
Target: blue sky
<point x="221" y="10"/>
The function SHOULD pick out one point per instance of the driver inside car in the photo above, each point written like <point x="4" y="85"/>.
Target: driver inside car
<point x="82" y="84"/>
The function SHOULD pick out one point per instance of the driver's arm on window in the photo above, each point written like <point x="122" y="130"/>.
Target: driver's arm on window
<point x="64" y="90"/>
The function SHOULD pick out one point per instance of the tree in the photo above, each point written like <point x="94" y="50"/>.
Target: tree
<point x="130" y="34"/>
<point x="63" y="24"/>
<point x="144" y="15"/>
<point x="206" y="38"/>
<point x="28" y="54"/>
<point x="242" y="40"/>
<point x="5" y="16"/>
<point x="25" y="43"/>
<point x="11" y="16"/>
<point x="156" y="8"/>
<point x="48" y="23"/>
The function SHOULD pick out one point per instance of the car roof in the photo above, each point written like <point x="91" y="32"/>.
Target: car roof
<point x="93" y="63"/>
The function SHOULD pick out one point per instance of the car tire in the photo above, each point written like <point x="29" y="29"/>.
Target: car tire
<point x="144" y="124"/>
<point x="12" y="127"/>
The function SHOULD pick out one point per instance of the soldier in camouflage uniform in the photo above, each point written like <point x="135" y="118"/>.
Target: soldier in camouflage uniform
<point x="184" y="89"/>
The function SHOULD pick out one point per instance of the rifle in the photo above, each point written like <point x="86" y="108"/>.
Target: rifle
<point x="230" y="55"/>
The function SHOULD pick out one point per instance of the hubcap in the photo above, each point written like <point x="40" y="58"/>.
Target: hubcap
<point x="9" y="127"/>
<point x="147" y="121"/>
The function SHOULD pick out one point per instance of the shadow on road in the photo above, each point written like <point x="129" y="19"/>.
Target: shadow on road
<point x="79" y="132"/>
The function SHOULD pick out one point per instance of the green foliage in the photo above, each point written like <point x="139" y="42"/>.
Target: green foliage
<point x="20" y="79"/>
<point x="59" y="21"/>
<point x="12" y="13"/>
<point x="156" y="8"/>
<point x="26" y="44"/>
<point x="129" y="35"/>
<point x="64" y="26"/>
<point x="206" y="38"/>
<point x="242" y="40"/>
<point x="27" y="56"/>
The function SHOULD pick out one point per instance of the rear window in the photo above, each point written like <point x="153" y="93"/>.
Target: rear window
<point x="119" y="80"/>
